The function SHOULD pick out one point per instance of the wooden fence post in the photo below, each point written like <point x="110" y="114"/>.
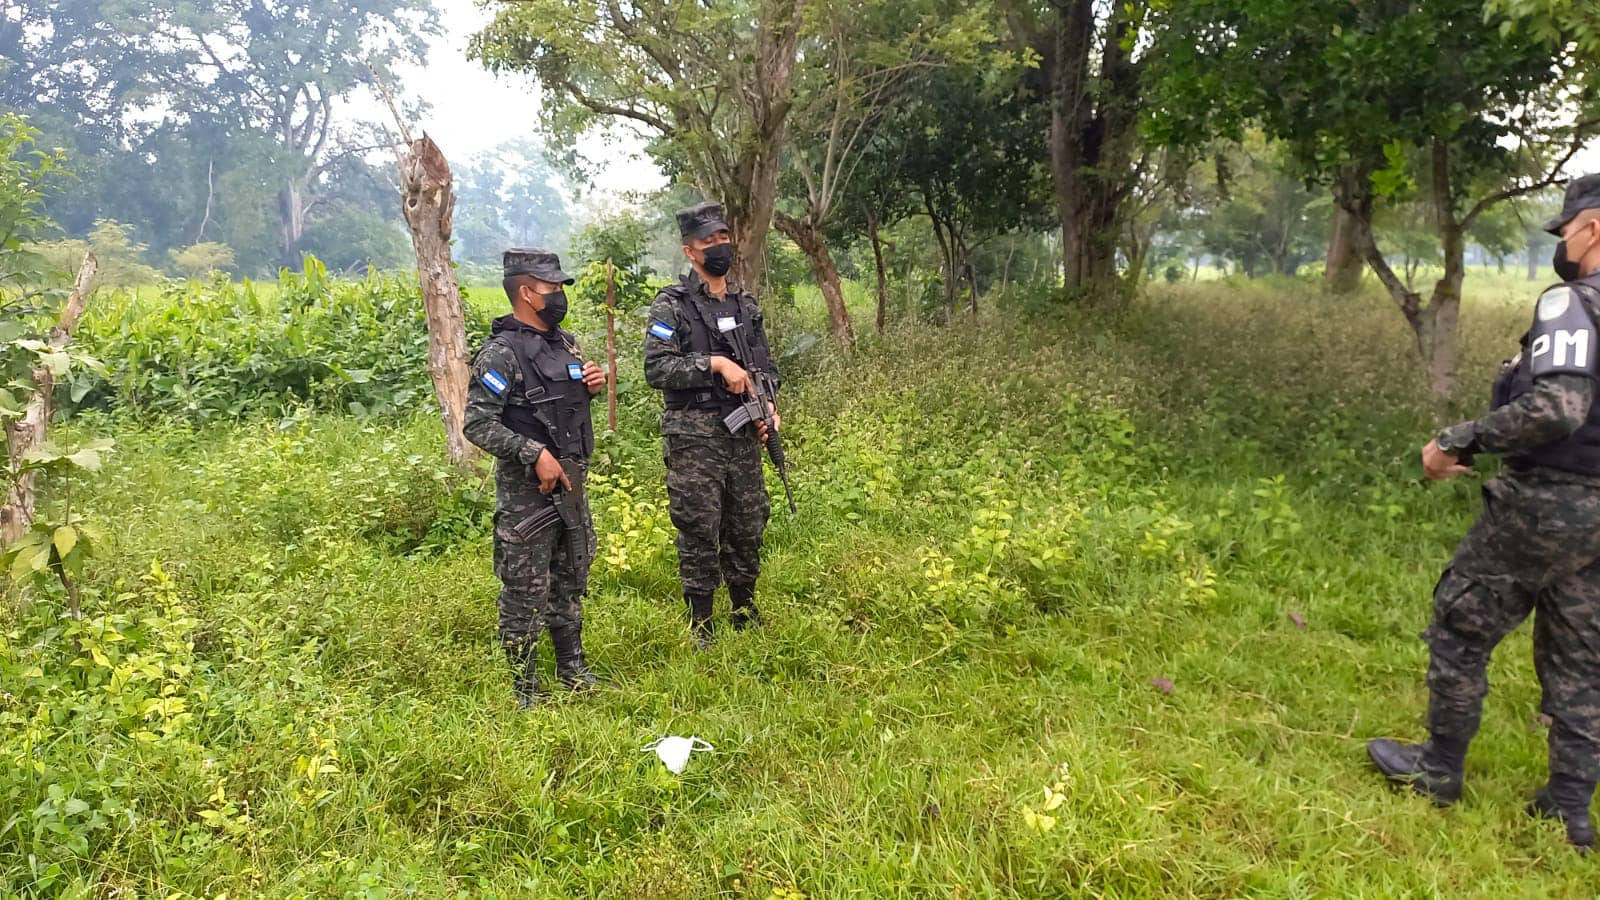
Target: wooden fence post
<point x="611" y="345"/>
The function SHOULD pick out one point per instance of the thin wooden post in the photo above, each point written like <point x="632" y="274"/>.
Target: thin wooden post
<point x="611" y="345"/>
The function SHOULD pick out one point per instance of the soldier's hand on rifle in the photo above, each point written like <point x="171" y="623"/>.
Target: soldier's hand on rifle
<point x="550" y="475"/>
<point x="1439" y="465"/>
<point x="761" y="424"/>
<point x="594" y="377"/>
<point x="736" y="378"/>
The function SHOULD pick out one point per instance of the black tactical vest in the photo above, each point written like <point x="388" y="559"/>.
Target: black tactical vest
<point x="1578" y="452"/>
<point x="552" y="406"/>
<point x="703" y="317"/>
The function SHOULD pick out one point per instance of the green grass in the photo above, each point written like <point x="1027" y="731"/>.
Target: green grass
<point x="1007" y="531"/>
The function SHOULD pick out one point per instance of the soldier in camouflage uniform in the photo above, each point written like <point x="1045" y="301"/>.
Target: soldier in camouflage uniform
<point x="528" y="406"/>
<point x="716" y="491"/>
<point x="1535" y="549"/>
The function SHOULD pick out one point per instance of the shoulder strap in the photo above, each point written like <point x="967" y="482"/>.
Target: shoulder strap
<point x="521" y="351"/>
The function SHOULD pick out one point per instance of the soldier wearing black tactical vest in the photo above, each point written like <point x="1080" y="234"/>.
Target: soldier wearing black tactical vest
<point x="1535" y="549"/>
<point x="528" y="406"/>
<point x="716" y="490"/>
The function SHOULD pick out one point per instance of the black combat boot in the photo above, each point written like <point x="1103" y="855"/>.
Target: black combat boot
<point x="1433" y="769"/>
<point x="1566" y="800"/>
<point x="524" y="658"/>
<point x="745" y="615"/>
<point x="570" y="667"/>
<point x="700" y="619"/>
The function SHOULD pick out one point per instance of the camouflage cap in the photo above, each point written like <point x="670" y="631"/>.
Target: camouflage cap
<point x="701" y="221"/>
<point x="1582" y="193"/>
<point x="541" y="264"/>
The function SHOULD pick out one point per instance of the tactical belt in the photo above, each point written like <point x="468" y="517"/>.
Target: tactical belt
<point x="679" y="401"/>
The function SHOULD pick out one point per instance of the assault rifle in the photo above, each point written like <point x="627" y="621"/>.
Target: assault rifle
<point x="565" y="506"/>
<point x="757" y="405"/>
<point x="564" y="510"/>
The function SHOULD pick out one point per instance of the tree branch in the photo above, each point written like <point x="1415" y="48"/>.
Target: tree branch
<point x="1580" y="131"/>
<point x="600" y="107"/>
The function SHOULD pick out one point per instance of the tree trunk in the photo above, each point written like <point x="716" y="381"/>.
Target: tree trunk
<point x="1093" y="111"/>
<point x="1434" y="327"/>
<point x="1138" y="253"/>
<point x="1344" y="267"/>
<point x="753" y="184"/>
<point x="292" y="208"/>
<point x="428" y="203"/>
<point x="30" y="431"/>
<point x="947" y="261"/>
<point x="883" y="276"/>
<point x="1533" y="260"/>
<point x="809" y="239"/>
<point x="750" y="246"/>
<point x="1445" y="307"/>
<point x="969" y="272"/>
<point x="972" y="280"/>
<point x="1444" y="319"/>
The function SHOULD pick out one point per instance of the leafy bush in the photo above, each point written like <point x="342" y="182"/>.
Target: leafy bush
<point x="198" y="261"/>
<point x="121" y="258"/>
<point x="96" y="714"/>
<point x="221" y="351"/>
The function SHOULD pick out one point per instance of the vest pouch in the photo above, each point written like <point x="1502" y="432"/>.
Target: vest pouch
<point x="1500" y="392"/>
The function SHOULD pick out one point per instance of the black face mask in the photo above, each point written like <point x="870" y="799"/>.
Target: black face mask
<point x="718" y="260"/>
<point x="555" y="308"/>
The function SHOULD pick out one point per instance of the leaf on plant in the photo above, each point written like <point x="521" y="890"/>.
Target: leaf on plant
<point x="57" y="362"/>
<point x="65" y="538"/>
<point x="1036" y="821"/>
<point x="86" y="458"/>
<point x="1053" y="800"/>
<point x="42" y="455"/>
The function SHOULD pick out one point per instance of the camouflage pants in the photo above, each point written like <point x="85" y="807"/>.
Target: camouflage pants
<point x="1535" y="549"/>
<point x="540" y="585"/>
<point x="717" y="495"/>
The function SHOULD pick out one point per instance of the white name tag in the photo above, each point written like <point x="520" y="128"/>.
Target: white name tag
<point x="726" y="324"/>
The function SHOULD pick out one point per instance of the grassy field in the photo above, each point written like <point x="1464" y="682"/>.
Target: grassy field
<point x="1073" y="605"/>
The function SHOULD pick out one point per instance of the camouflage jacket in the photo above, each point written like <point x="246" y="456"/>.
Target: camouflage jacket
<point x="672" y="363"/>
<point x="1557" y="406"/>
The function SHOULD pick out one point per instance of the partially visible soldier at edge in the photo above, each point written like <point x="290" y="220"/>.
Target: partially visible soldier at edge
<point x="1536" y="547"/>
<point x="528" y="406"/>
<point x="716" y="490"/>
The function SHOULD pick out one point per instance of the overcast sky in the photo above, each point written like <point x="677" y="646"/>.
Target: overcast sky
<point x="474" y="110"/>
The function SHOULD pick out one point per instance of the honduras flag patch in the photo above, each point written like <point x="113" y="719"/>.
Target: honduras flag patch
<point x="663" y="331"/>
<point x="494" y="381"/>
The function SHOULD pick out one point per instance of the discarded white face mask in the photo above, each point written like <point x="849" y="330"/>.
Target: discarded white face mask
<point x="674" y="751"/>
